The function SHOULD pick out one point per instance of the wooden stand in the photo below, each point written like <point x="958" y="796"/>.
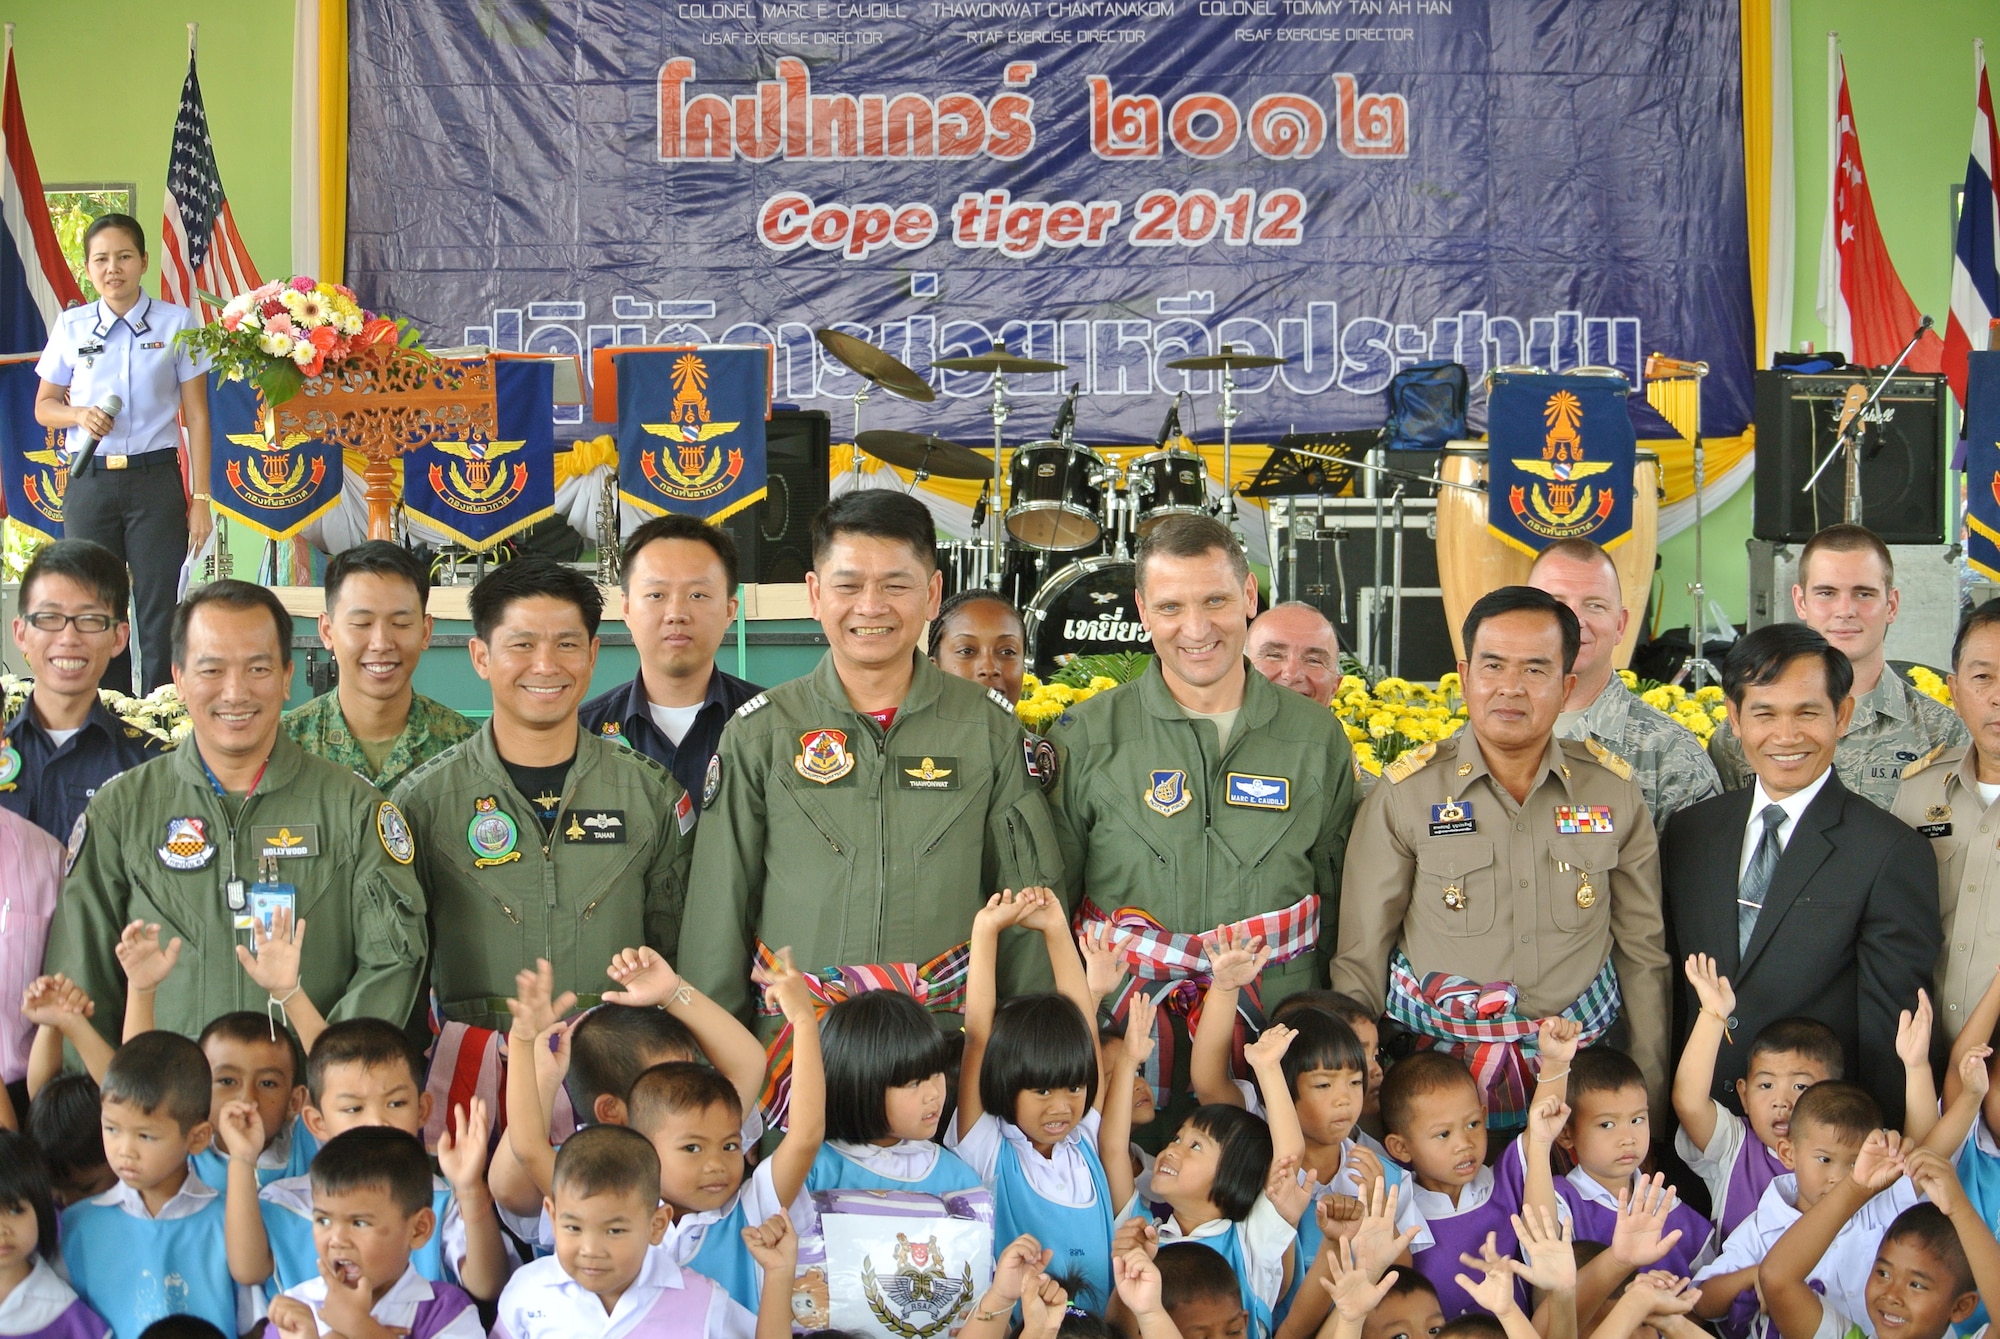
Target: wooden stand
<point x="387" y="402"/>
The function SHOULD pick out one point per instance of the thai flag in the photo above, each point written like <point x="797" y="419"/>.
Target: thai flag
<point x="1975" y="271"/>
<point x="35" y="281"/>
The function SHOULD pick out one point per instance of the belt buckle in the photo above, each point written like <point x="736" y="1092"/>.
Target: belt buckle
<point x="117" y="462"/>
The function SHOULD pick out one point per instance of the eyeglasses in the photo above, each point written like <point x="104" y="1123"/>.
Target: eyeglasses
<point x="48" y="620"/>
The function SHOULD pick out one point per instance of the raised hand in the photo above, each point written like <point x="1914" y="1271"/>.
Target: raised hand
<point x="1883" y="1157"/>
<point x="241" y="1130"/>
<point x="1972" y="1071"/>
<point x="1376" y="1242"/>
<point x="1044" y="1305"/>
<point x="773" y="1244"/>
<point x="146" y="964"/>
<point x="648" y="979"/>
<point x="273" y="966"/>
<point x="1913" y="1032"/>
<point x="1023" y="1259"/>
<point x="1270" y="1046"/>
<point x="1366" y="1167"/>
<point x="1042" y="910"/>
<point x="1932" y="1174"/>
<point x="786" y="984"/>
<point x="1664" y="1293"/>
<point x="1134" y="1234"/>
<point x="1711" y="988"/>
<point x="1556" y="1042"/>
<point x="293" y="1319"/>
<point x="1003" y="911"/>
<point x="1138" y="1039"/>
<point x="51" y="1000"/>
<point x="1103" y="950"/>
<point x="1355" y="1291"/>
<point x="461" y="1150"/>
<point x="1545" y="1240"/>
<point x="1137" y="1280"/>
<point x="1636" y="1239"/>
<point x="1546" y="1121"/>
<point x="552" y="1061"/>
<point x="1282" y="1188"/>
<point x="535" y="1004"/>
<point x="1493" y="1291"/>
<point x="1338" y="1216"/>
<point x="1235" y="959"/>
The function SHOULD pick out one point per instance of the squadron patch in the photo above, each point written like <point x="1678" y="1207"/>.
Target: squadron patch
<point x="75" y="847"/>
<point x="1168" y="793"/>
<point x="711" y="783"/>
<point x="492" y="834"/>
<point x="614" y="733"/>
<point x="187" y="845"/>
<point x="823" y="757"/>
<point x="10" y="764"/>
<point x="1042" y="762"/>
<point x="393" y="831"/>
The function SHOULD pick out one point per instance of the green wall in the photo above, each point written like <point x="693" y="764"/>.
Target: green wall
<point x="1909" y="71"/>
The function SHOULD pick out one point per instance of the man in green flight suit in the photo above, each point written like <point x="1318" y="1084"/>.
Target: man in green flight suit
<point x="1203" y="794"/>
<point x="237" y="824"/>
<point x="864" y="813"/>
<point x="536" y="838"/>
<point x="377" y="628"/>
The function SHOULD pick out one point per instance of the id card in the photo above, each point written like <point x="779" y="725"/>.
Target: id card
<point x="266" y="900"/>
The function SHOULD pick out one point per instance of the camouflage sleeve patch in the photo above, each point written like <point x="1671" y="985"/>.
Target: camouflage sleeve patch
<point x="1409" y="764"/>
<point x="1608" y="760"/>
<point x="1924" y="762"/>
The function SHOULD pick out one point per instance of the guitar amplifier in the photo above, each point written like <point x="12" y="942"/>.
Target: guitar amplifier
<point x="773" y="538"/>
<point x="1903" y="457"/>
<point x="1323" y="552"/>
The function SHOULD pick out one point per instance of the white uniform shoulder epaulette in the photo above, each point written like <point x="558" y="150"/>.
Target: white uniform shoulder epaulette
<point x="1409" y="764"/>
<point x="1925" y="761"/>
<point x="1610" y="761"/>
<point x="761" y="700"/>
<point x="1000" y="700"/>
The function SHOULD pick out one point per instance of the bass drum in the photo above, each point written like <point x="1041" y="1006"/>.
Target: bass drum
<point x="1088" y="608"/>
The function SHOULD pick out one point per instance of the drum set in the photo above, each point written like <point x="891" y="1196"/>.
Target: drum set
<point x="1057" y="521"/>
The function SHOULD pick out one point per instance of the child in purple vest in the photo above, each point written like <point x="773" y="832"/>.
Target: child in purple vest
<point x="1609" y="1135"/>
<point x="372" y="1209"/>
<point x="1737" y="1156"/>
<point x="34" y="1300"/>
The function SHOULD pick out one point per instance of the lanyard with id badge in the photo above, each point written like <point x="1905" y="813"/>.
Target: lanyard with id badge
<point x="264" y="899"/>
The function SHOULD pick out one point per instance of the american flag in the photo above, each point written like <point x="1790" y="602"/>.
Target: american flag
<point x="205" y="253"/>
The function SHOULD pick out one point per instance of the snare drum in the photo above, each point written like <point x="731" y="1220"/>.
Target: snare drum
<point x="1054" y="495"/>
<point x="1167" y="483"/>
<point x="967" y="565"/>
<point x="1088" y="608"/>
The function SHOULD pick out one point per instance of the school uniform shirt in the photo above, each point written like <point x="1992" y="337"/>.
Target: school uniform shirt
<point x="34" y="864"/>
<point x="134" y="357"/>
<point x="1842" y="1272"/>
<point x="664" y="1302"/>
<point x="911" y="1164"/>
<point x="287" y="1210"/>
<point x="1485" y="1204"/>
<point x="1255" y="1248"/>
<point x="424" y="1310"/>
<point x="711" y="1242"/>
<point x="1595" y="1212"/>
<point x="134" y="1267"/>
<point x="1736" y="1166"/>
<point x="290" y="1154"/>
<point x="44" y="1307"/>
<point x="1063" y="1199"/>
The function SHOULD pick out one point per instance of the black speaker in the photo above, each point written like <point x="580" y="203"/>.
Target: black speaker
<point x="773" y="538"/>
<point x="1902" y="457"/>
<point x="1327" y="558"/>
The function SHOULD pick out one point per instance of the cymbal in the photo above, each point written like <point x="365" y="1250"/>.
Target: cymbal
<point x="868" y="361"/>
<point x="999" y="360"/>
<point x="1230" y="357"/>
<point x="920" y="451"/>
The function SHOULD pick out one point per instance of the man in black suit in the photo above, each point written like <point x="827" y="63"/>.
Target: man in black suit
<point x="1811" y="900"/>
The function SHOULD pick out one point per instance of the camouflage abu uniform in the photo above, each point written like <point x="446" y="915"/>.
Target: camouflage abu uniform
<point x="320" y="728"/>
<point x="1666" y="758"/>
<point x="1893" y="726"/>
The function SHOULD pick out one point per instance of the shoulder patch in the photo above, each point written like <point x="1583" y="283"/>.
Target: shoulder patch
<point x="999" y="700"/>
<point x="756" y="703"/>
<point x="394" y="833"/>
<point x="1924" y="762"/>
<point x="1043" y="762"/>
<point x="1409" y="764"/>
<point x="1608" y="760"/>
<point x="76" y="834"/>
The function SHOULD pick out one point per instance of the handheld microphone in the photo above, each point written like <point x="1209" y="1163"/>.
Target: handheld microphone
<point x="111" y="408"/>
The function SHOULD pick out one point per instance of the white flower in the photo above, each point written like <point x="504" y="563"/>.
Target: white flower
<point x="278" y="346"/>
<point x="306" y="308"/>
<point x="303" y="352"/>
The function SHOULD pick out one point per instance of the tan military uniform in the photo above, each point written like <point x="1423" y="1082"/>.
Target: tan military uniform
<point x="1939" y="797"/>
<point x="1443" y="864"/>
<point x="1894" y="725"/>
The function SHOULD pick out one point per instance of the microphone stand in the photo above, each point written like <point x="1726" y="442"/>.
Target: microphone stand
<point x="1849" y="441"/>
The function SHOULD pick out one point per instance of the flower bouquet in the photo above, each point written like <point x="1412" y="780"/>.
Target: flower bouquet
<point x="290" y="329"/>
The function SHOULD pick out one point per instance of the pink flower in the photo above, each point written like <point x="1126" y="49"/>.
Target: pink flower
<point x="302" y="282"/>
<point x="280" y="324"/>
<point x="231" y="320"/>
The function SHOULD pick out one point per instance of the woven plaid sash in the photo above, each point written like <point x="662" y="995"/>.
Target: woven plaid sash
<point x="468" y="1062"/>
<point x="938" y="985"/>
<point x="1173" y="970"/>
<point x="1482" y="1026"/>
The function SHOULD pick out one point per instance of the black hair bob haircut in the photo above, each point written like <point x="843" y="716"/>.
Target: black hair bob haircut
<point x="1246" y="1156"/>
<point x="876" y="1041"/>
<point x="64" y="1121"/>
<point x="24" y="1184"/>
<point x="1323" y="1042"/>
<point x="1039" y="1041"/>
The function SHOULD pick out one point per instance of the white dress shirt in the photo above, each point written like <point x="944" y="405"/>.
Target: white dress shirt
<point x="1063" y="1177"/>
<point x="542" y="1302"/>
<point x="37" y="1302"/>
<point x="1793" y="805"/>
<point x="96" y="354"/>
<point x="398" y="1307"/>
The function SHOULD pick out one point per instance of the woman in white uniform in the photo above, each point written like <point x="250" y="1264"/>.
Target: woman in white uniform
<point x="130" y="497"/>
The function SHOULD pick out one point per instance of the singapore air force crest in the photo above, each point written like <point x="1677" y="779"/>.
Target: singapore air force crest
<point x="920" y="1298"/>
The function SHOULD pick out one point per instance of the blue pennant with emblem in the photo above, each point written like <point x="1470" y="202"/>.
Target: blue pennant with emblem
<point x="1560" y="455"/>
<point x="276" y="485"/>
<point x="1982" y="463"/>
<point x="691" y="428"/>
<point x="36" y="465"/>
<point x="479" y="491"/>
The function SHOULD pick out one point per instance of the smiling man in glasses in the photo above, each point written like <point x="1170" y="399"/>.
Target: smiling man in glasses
<point x="64" y="743"/>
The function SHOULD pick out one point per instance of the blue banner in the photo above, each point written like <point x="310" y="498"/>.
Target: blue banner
<point x="32" y="457"/>
<point x="276" y="485"/>
<point x="1559" y="460"/>
<point x="479" y="490"/>
<point x="1354" y="185"/>
<point x="691" y="429"/>
<point x="1982" y="463"/>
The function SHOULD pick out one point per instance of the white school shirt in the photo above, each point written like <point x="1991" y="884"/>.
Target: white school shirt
<point x="1843" y="1271"/>
<point x="905" y="1160"/>
<point x="37" y="1301"/>
<point x="1347" y="1181"/>
<point x="398" y="1307"/>
<point x="295" y="1193"/>
<point x="1793" y="805"/>
<point x="542" y="1302"/>
<point x="134" y="357"/>
<point x="1265" y="1236"/>
<point x="1715" y="1163"/>
<point x="1061" y="1178"/>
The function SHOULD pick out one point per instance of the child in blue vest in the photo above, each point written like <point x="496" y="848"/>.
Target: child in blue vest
<point x="153" y="1244"/>
<point x="1031" y="1112"/>
<point x="35" y="1303"/>
<point x="371" y="1194"/>
<point x="363" y="1071"/>
<point x="249" y="1064"/>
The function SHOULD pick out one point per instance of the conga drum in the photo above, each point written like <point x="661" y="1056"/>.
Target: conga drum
<point x="1472" y="560"/>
